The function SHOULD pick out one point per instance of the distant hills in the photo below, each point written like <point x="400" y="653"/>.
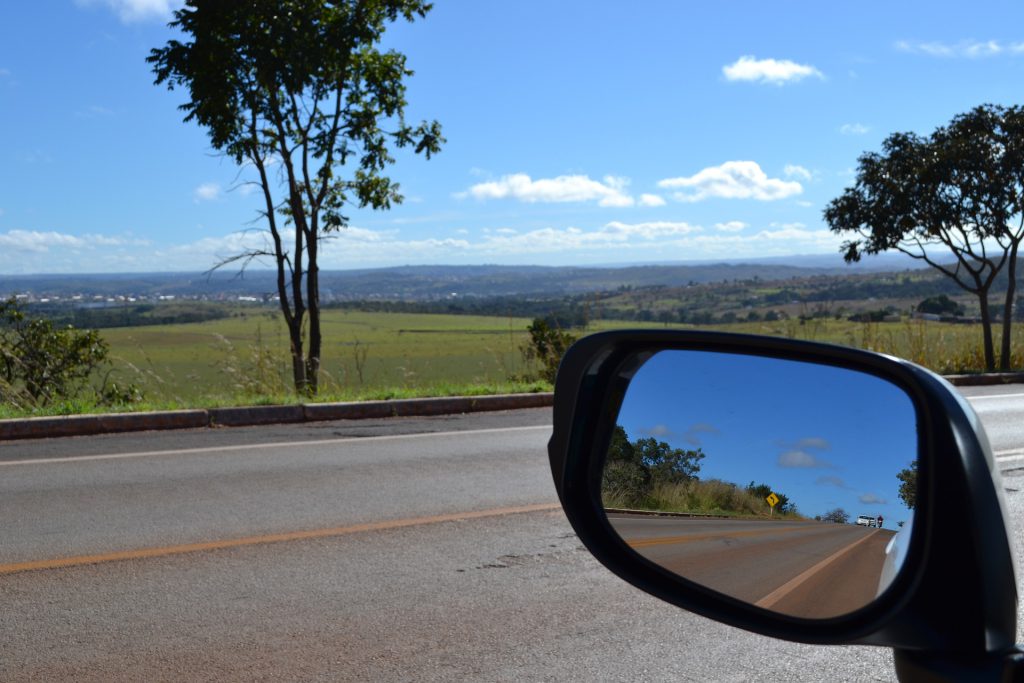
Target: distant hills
<point x="428" y="283"/>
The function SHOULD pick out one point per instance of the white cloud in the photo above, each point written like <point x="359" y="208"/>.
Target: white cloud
<point x="207" y="192"/>
<point x="692" y="435"/>
<point x="853" y="129"/>
<point x="969" y="49"/>
<point x="659" y="431"/>
<point x="794" y="171"/>
<point x="801" y="459"/>
<point x="814" y="442"/>
<point x="41" y="242"/>
<point x="651" y="200"/>
<point x="731" y="226"/>
<point x="774" y="71"/>
<point x="565" y="188"/>
<point x="805" y="204"/>
<point x="871" y="499"/>
<point x="137" y="10"/>
<point x="731" y="180"/>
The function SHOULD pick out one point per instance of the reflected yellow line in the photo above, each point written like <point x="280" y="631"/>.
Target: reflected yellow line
<point x="144" y="553"/>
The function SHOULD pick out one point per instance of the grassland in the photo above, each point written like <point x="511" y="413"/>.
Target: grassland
<point x="243" y="359"/>
<point x="366" y="353"/>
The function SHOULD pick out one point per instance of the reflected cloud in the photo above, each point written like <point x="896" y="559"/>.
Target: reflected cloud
<point x="692" y="435"/>
<point x="872" y="499"/>
<point x="801" y="459"/>
<point x="658" y="431"/>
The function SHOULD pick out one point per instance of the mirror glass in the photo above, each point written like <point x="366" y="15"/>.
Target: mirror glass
<point x="785" y="484"/>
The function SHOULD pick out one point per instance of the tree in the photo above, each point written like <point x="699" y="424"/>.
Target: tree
<point x="940" y="305"/>
<point x="908" y="485"/>
<point x="300" y="87"/>
<point x="836" y="516"/>
<point x="633" y="468"/>
<point x="666" y="464"/>
<point x="957" y="193"/>
<point x="762" y="491"/>
<point x="548" y="343"/>
<point x="41" y="363"/>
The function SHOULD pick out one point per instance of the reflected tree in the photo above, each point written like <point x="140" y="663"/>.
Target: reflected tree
<point x="762" y="491"/>
<point x="836" y="516"/>
<point x="634" y="468"/>
<point x="908" y="485"/>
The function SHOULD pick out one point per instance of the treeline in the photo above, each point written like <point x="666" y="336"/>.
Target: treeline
<point x="132" y="315"/>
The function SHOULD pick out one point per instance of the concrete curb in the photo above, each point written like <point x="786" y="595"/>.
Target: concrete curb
<point x="989" y="379"/>
<point x="87" y="425"/>
<point x="255" y="415"/>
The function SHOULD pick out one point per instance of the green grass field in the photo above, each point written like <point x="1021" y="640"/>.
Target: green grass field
<point x="244" y="359"/>
<point x="374" y="352"/>
<point x="363" y="354"/>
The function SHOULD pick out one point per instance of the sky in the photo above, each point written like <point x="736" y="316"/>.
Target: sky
<point x="826" y="437"/>
<point x="578" y="132"/>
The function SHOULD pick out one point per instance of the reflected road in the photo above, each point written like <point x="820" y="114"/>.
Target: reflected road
<point x="806" y="569"/>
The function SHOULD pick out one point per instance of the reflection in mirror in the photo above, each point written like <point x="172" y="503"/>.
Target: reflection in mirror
<point x="785" y="484"/>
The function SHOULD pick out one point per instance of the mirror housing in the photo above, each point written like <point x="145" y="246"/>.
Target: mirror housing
<point x="956" y="593"/>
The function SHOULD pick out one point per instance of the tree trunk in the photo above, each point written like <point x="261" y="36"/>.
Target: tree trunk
<point x="298" y="363"/>
<point x="1011" y="292"/>
<point x="315" y="339"/>
<point x="986" y="329"/>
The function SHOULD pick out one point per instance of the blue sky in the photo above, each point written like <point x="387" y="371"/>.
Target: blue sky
<point x="826" y="437"/>
<point x="578" y="132"/>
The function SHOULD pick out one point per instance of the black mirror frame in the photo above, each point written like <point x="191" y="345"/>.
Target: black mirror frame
<point x="956" y="592"/>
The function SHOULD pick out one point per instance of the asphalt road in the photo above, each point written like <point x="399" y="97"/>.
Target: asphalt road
<point x="778" y="565"/>
<point x="417" y="549"/>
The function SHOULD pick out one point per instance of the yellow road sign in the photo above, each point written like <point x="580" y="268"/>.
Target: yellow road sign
<point x="772" y="499"/>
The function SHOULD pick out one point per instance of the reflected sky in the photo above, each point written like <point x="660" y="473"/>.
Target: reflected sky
<point x="826" y="437"/>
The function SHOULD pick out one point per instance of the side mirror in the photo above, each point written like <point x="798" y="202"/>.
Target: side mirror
<point x="804" y="491"/>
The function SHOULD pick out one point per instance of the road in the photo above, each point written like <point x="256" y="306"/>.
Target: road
<point x="418" y="549"/>
<point x="806" y="569"/>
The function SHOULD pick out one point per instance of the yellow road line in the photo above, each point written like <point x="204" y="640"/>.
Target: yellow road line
<point x="785" y="589"/>
<point x="145" y="553"/>
<point x="690" y="538"/>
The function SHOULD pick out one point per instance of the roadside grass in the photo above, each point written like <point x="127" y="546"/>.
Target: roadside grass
<point x="701" y="497"/>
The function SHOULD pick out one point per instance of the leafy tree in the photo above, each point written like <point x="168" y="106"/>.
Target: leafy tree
<point x="940" y="305"/>
<point x="632" y="468"/>
<point x="298" y="89"/>
<point x="836" y="516"/>
<point x="548" y="343"/>
<point x="41" y="363"/>
<point x="666" y="464"/>
<point x="957" y="194"/>
<point x="761" y="491"/>
<point x="625" y="477"/>
<point x="908" y="485"/>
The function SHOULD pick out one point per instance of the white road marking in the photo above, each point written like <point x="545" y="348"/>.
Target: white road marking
<point x="992" y="396"/>
<point x="260" y="446"/>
